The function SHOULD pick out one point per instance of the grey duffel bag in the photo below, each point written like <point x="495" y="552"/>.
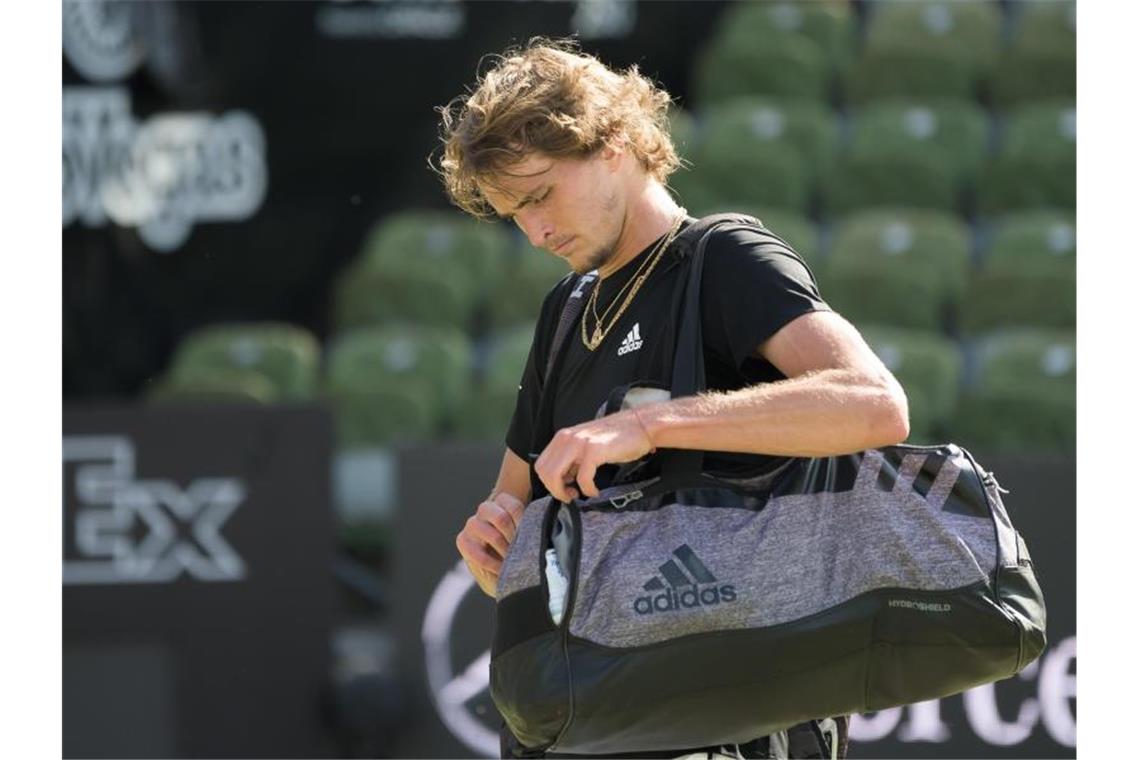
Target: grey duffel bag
<point x="703" y="611"/>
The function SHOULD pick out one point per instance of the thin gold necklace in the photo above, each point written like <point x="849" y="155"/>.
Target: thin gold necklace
<point x="600" y="330"/>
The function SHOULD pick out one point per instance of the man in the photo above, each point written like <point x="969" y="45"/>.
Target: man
<point x="577" y="156"/>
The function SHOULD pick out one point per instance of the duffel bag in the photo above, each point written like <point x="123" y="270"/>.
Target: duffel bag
<point x="707" y="611"/>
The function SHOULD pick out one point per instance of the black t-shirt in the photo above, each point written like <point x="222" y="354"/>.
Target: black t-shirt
<point x="753" y="284"/>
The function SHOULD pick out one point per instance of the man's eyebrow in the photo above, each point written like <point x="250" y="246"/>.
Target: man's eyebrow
<point x="525" y="199"/>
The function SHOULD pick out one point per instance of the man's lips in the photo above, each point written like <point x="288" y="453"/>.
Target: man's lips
<point x="558" y="249"/>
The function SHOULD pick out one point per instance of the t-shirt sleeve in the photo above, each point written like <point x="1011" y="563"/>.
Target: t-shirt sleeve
<point x="520" y="433"/>
<point x="753" y="284"/>
<point x="521" y="430"/>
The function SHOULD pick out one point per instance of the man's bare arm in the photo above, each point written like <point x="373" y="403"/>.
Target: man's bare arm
<point x="839" y="398"/>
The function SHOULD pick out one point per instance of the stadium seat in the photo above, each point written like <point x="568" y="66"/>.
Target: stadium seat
<point x="1045" y="21"/>
<point x="1042" y="60"/>
<point x="1037" y="162"/>
<point x="488" y="414"/>
<point x="954" y="131"/>
<point x="929" y="367"/>
<point x="1027" y="275"/>
<point x="214" y="385"/>
<point x="721" y="173"/>
<point x="881" y="174"/>
<point x="517" y="296"/>
<point x="429" y="267"/>
<point x="784" y="66"/>
<point x="396" y="383"/>
<point x="831" y="25"/>
<point x="758" y="125"/>
<point x="909" y="71"/>
<point x="968" y="29"/>
<point x="900" y="267"/>
<point x="1021" y="395"/>
<point x="285" y="356"/>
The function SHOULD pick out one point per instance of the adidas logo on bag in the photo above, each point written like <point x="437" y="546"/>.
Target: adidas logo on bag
<point x="632" y="341"/>
<point x="683" y="591"/>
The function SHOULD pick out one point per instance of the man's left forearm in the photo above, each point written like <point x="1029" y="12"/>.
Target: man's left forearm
<point x="824" y="413"/>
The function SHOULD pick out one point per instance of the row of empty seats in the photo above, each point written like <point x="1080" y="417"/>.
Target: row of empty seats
<point x="962" y="49"/>
<point x="933" y="153"/>
<point x="925" y="268"/>
<point x="1011" y="388"/>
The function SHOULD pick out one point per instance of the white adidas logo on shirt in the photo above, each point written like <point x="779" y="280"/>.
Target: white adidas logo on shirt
<point x="632" y="341"/>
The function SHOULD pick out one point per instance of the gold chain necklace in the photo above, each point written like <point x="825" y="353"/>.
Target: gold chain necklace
<point x="601" y="331"/>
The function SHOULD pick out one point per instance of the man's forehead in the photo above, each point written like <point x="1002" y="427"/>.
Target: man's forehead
<point x="517" y="181"/>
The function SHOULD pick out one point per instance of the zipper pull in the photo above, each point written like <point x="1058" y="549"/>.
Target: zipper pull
<point x="621" y="501"/>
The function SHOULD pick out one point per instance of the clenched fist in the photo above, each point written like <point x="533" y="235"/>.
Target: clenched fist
<point x="487" y="535"/>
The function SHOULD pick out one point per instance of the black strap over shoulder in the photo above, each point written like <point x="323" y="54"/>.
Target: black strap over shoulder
<point x="688" y="371"/>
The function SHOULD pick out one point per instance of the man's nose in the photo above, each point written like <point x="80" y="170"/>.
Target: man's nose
<point x="537" y="230"/>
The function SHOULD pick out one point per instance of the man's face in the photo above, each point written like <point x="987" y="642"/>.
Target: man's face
<point x="573" y="208"/>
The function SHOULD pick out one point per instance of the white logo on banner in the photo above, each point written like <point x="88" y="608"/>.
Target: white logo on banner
<point x="452" y="688"/>
<point x="145" y="531"/>
<point x="161" y="175"/>
<point x="100" y="38"/>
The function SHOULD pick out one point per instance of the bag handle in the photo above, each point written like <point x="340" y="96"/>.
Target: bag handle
<point x="689" y="355"/>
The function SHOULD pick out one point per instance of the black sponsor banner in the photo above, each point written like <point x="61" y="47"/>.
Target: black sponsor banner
<point x="197" y="596"/>
<point x="444" y="622"/>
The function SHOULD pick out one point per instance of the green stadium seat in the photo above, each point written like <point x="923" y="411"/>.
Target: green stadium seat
<point x="969" y="29"/>
<point x="286" y="356"/>
<point x="908" y="72"/>
<point x="517" y="296"/>
<point x="929" y="367"/>
<point x="900" y="267"/>
<point x="214" y="385"/>
<point x="954" y="131"/>
<point x="758" y="125"/>
<point x="831" y="25"/>
<point x="429" y="267"/>
<point x="1037" y="162"/>
<point x="1041" y="62"/>
<point x="488" y="414"/>
<point x="881" y="174"/>
<point x="721" y="174"/>
<point x="1027" y="276"/>
<point x="783" y="66"/>
<point x="1045" y="21"/>
<point x="1021" y="396"/>
<point x="396" y="383"/>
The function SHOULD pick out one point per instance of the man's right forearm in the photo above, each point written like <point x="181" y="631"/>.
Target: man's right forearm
<point x="514" y="477"/>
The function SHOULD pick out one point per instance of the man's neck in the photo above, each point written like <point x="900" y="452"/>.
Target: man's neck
<point x="650" y="215"/>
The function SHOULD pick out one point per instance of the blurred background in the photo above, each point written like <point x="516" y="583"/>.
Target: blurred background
<point x="288" y="364"/>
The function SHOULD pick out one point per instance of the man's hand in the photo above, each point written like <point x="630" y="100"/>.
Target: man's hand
<point x="568" y="464"/>
<point x="484" y="540"/>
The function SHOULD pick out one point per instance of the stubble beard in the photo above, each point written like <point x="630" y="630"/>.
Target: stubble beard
<point x="602" y="256"/>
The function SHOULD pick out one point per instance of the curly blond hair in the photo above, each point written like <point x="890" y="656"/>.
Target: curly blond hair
<point x="551" y="98"/>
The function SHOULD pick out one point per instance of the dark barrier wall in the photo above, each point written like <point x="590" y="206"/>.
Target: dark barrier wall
<point x="443" y="624"/>
<point x="197" y="597"/>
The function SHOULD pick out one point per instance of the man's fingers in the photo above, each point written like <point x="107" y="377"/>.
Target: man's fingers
<point x="474" y="547"/>
<point x="585" y="478"/>
<point x="514" y="506"/>
<point x="482" y="530"/>
<point x="498" y="516"/>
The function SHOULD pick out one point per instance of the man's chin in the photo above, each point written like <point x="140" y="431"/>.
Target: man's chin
<point x="589" y="263"/>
